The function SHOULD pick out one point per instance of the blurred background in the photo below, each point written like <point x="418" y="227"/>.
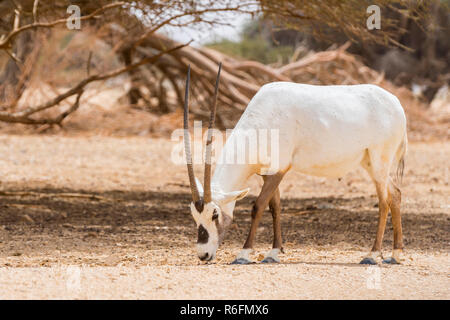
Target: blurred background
<point x="121" y="70"/>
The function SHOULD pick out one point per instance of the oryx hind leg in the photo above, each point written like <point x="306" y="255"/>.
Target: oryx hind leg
<point x="270" y="186"/>
<point x="377" y="163"/>
<point x="394" y="200"/>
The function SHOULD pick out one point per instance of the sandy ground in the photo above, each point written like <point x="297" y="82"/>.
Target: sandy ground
<point x="99" y="217"/>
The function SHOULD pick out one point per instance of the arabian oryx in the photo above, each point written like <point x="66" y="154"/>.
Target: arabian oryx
<point x="324" y="131"/>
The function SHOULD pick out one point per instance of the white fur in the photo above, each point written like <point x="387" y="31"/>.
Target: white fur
<point x="376" y="255"/>
<point x="273" y="254"/>
<point x="323" y="130"/>
<point x="205" y="219"/>
<point x="244" y="254"/>
<point x="396" y="254"/>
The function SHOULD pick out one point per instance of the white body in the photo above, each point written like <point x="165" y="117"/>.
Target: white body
<point x="323" y="130"/>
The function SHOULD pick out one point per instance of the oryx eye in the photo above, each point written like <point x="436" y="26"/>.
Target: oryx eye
<point x="215" y="214"/>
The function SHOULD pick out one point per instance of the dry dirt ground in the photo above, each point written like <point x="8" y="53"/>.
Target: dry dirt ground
<point x="99" y="217"/>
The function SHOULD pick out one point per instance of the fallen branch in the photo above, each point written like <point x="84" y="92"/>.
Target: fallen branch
<point x="24" y="115"/>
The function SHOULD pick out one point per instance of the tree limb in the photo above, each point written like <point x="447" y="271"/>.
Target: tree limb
<point x="6" y="41"/>
<point x="24" y="115"/>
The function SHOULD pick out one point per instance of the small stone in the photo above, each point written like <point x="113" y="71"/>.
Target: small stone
<point x="27" y="218"/>
<point x="325" y="206"/>
<point x="90" y="235"/>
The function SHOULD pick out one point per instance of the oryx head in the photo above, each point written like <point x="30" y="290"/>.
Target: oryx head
<point x="211" y="210"/>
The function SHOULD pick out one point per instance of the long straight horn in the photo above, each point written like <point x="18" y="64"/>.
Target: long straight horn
<point x="212" y="118"/>
<point x="187" y="144"/>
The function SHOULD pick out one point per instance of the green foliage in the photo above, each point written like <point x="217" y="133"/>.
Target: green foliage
<point x="257" y="49"/>
<point x="66" y="40"/>
<point x="254" y="46"/>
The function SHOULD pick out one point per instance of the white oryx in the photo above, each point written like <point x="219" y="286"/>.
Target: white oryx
<point x="324" y="131"/>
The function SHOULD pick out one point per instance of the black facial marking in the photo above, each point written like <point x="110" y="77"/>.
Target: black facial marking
<point x="202" y="235"/>
<point x="205" y="257"/>
<point x="215" y="215"/>
<point x="199" y="205"/>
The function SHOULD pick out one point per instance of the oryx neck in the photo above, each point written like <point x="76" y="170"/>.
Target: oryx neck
<point x="230" y="177"/>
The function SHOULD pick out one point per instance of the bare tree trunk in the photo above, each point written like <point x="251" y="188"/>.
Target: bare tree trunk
<point x="13" y="79"/>
<point x="429" y="46"/>
<point x="134" y="94"/>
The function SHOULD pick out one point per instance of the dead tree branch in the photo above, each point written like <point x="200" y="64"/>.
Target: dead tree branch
<point x="24" y="115"/>
<point x="5" y="41"/>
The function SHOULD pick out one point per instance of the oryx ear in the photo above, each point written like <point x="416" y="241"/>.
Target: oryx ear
<point x="199" y="187"/>
<point x="233" y="196"/>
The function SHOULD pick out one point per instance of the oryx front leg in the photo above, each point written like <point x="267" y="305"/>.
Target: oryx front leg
<point x="275" y="209"/>
<point x="269" y="187"/>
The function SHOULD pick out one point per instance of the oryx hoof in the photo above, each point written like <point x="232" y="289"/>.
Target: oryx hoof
<point x="241" y="261"/>
<point x="368" y="261"/>
<point x="270" y="260"/>
<point x="390" y="261"/>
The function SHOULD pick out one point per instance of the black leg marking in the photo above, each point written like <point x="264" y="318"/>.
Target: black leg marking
<point x="269" y="260"/>
<point x="368" y="261"/>
<point x="242" y="261"/>
<point x="390" y="261"/>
